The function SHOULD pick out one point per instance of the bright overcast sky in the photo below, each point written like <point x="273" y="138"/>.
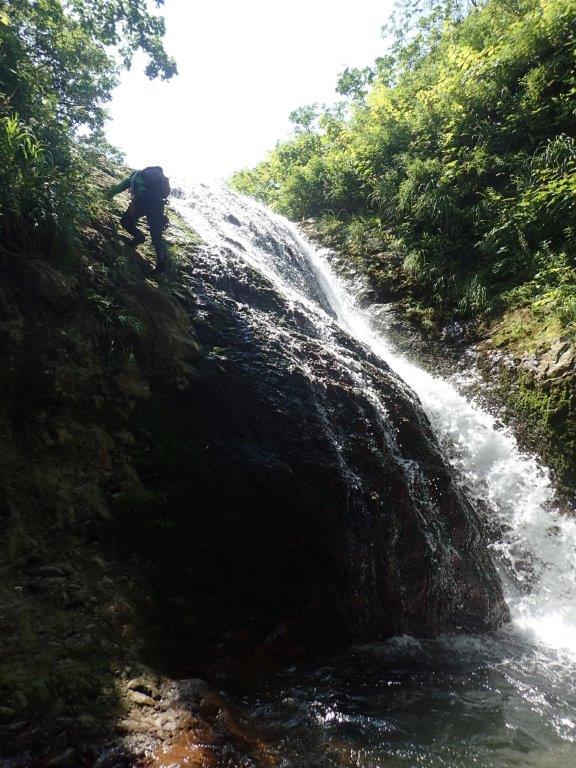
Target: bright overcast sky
<point x="243" y="67"/>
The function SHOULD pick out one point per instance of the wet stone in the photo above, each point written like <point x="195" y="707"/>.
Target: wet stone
<point x="132" y="726"/>
<point x="143" y="685"/>
<point x="141" y="699"/>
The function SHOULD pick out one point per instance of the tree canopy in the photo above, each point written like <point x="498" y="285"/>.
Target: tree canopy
<point x="59" y="54"/>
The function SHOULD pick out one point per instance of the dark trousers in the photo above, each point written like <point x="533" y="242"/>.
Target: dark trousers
<point x="150" y="205"/>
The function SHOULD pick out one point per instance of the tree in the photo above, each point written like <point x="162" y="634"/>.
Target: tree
<point x="304" y="118"/>
<point x="354" y="82"/>
<point x="59" y="52"/>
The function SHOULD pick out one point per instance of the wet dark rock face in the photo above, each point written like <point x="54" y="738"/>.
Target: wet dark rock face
<point x="261" y="465"/>
<point x="320" y="498"/>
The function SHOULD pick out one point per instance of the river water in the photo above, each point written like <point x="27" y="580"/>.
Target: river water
<point x="506" y="699"/>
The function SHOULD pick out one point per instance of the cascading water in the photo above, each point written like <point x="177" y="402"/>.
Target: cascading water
<point x="508" y="699"/>
<point x="538" y="545"/>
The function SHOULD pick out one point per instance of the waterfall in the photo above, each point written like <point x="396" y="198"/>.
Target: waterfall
<point x="517" y="682"/>
<point x="537" y="552"/>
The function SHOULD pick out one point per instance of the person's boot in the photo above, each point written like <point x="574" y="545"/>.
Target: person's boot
<point x="137" y="240"/>
<point x="161" y="264"/>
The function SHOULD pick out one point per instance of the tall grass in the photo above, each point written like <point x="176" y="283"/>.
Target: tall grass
<point x="41" y="190"/>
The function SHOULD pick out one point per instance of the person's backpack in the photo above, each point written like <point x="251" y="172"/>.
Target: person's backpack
<point x="153" y="179"/>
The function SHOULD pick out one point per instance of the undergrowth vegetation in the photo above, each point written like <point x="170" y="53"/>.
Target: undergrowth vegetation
<point x="456" y="150"/>
<point x="41" y="190"/>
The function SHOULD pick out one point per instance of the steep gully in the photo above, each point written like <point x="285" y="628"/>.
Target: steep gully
<point x="508" y="698"/>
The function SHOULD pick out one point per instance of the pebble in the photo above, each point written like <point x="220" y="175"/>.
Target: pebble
<point x="132" y="726"/>
<point x="86" y="721"/>
<point x="144" y="685"/>
<point x="141" y="699"/>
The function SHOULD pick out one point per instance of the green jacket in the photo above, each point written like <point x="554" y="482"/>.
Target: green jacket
<point x="134" y="183"/>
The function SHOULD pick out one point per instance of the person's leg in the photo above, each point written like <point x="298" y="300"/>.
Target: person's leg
<point x="128" y="221"/>
<point x="155" y="218"/>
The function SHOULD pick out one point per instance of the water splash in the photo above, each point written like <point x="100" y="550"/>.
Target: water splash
<point x="538" y="544"/>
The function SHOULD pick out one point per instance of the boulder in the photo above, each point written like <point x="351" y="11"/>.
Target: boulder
<point x="557" y="361"/>
<point x="318" y="492"/>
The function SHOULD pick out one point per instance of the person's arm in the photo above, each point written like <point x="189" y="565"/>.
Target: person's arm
<point x="117" y="188"/>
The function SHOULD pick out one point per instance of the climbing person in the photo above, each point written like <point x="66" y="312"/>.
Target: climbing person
<point x="149" y="189"/>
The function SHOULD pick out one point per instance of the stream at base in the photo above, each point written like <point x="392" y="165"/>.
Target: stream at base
<point x="506" y="699"/>
<point x="457" y="702"/>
